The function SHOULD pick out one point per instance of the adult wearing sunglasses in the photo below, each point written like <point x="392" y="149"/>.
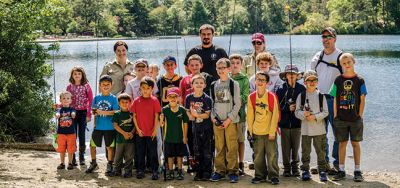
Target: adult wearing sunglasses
<point x="326" y="64"/>
<point x="259" y="45"/>
<point x="208" y="52"/>
<point x="118" y="67"/>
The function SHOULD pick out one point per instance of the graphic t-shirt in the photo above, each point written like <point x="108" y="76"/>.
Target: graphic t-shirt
<point x="201" y="105"/>
<point x="186" y="85"/>
<point x="347" y="92"/>
<point x="125" y="122"/>
<point x="105" y="103"/>
<point x="174" y="124"/>
<point x="145" y="110"/>
<point x="65" y="125"/>
<point x="164" y="84"/>
<point x="82" y="97"/>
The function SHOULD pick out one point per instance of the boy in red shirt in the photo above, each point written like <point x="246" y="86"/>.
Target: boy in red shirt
<point x="146" y="109"/>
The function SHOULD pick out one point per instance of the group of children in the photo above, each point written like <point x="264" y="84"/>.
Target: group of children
<point x="206" y="118"/>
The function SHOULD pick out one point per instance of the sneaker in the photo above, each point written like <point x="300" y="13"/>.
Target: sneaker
<point x="92" y="167"/>
<point x="198" y="177"/>
<point x="81" y="159"/>
<point x="286" y="173"/>
<point x="115" y="173"/>
<point x="74" y="160"/>
<point x="109" y="169"/>
<point x="155" y="176"/>
<point x="170" y="175"/>
<point x="206" y="176"/>
<point x="241" y="169"/>
<point x="314" y="170"/>
<point x="61" y="166"/>
<point x="216" y="177"/>
<point x="70" y="166"/>
<point x="127" y="174"/>
<point x="180" y="175"/>
<point x="332" y="171"/>
<point x="274" y="181"/>
<point x="339" y="176"/>
<point x="295" y="172"/>
<point x="306" y="176"/>
<point x="358" y="176"/>
<point x="322" y="176"/>
<point x="257" y="180"/>
<point x="251" y="166"/>
<point x="140" y="175"/>
<point x="233" y="178"/>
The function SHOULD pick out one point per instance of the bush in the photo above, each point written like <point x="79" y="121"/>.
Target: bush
<point x="25" y="101"/>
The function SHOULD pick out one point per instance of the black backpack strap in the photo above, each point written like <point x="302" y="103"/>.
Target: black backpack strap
<point x="302" y="99"/>
<point x="232" y="90"/>
<point x="321" y="55"/>
<point x="321" y="100"/>
<point x="338" y="66"/>
<point x="338" y="63"/>
<point x="212" y="91"/>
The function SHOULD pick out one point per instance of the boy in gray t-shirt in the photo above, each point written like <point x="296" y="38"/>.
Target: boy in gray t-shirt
<point x="312" y="115"/>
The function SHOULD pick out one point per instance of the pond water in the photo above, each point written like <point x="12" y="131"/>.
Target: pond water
<point x="377" y="56"/>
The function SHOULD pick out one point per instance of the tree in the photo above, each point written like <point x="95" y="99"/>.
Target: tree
<point x="25" y="102"/>
<point x="140" y="21"/>
<point x="198" y="16"/>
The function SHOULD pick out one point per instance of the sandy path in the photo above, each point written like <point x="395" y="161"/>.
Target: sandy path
<point x="25" y="168"/>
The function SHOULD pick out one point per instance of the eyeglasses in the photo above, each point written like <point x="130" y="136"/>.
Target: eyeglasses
<point x="261" y="80"/>
<point x="312" y="81"/>
<point x="221" y="68"/>
<point x="327" y="37"/>
<point x="257" y="42"/>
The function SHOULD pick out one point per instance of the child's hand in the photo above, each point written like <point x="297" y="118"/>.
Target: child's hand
<point x="154" y="134"/>
<point x="307" y="113"/>
<point x="73" y="115"/>
<point x="226" y="123"/>
<point x="310" y="117"/>
<point x="57" y="115"/>
<point x="271" y="137"/>
<point x="140" y="132"/>
<point x="292" y="107"/>
<point x="100" y="112"/>
<point x="126" y="135"/>
<point x="193" y="112"/>
<point x="88" y="119"/>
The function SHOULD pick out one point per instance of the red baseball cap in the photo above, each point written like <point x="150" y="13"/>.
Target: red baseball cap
<point x="258" y="37"/>
<point x="174" y="91"/>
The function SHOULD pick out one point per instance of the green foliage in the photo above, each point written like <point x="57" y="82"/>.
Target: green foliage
<point x="141" y="24"/>
<point x="25" y="103"/>
<point x="198" y="17"/>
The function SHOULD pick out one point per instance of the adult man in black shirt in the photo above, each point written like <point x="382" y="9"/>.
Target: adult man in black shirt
<point x="208" y="52"/>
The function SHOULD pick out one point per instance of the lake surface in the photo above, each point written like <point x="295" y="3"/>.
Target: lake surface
<point x="377" y="56"/>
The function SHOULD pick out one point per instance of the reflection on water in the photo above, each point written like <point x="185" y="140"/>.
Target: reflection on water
<point x="377" y="59"/>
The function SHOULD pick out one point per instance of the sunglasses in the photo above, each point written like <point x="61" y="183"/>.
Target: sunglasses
<point x="312" y="81"/>
<point x="221" y="68"/>
<point x="327" y="36"/>
<point x="257" y="42"/>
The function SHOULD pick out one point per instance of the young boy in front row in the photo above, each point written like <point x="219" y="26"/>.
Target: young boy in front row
<point x="198" y="107"/>
<point x="104" y="106"/>
<point x="238" y="76"/>
<point x="146" y="109"/>
<point x="262" y="119"/>
<point x="66" y="133"/>
<point x="312" y="109"/>
<point x="124" y="149"/>
<point x="174" y="120"/>
<point x="225" y="118"/>
<point x="349" y="91"/>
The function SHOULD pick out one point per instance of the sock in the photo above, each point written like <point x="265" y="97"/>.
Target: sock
<point x="357" y="168"/>
<point x="341" y="167"/>
<point x="110" y="162"/>
<point x="93" y="160"/>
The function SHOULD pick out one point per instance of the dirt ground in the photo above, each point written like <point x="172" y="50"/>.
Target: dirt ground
<point x="27" y="168"/>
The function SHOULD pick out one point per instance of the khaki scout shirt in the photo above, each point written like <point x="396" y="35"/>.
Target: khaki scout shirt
<point x="116" y="72"/>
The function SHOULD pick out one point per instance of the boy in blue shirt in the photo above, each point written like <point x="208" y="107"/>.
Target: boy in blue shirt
<point x="104" y="106"/>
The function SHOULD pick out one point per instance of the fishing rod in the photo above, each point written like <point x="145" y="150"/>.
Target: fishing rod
<point x="232" y="27"/>
<point x="177" y="50"/>
<point x="287" y="8"/>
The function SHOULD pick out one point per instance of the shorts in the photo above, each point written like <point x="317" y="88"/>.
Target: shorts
<point x="97" y="138"/>
<point x="175" y="149"/>
<point x="344" y="129"/>
<point x="66" y="142"/>
<point x="241" y="131"/>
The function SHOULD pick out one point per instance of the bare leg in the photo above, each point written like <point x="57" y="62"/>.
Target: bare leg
<point x="356" y="152"/>
<point x="62" y="157"/>
<point x="342" y="152"/>
<point x="179" y="159"/>
<point x="93" y="152"/>
<point x="110" y="153"/>
<point x="70" y="156"/>
<point x="170" y="163"/>
<point x="241" y="151"/>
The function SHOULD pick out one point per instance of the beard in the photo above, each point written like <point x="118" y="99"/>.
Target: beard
<point x="206" y="41"/>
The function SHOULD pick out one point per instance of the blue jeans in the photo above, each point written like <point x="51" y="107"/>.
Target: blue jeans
<point x="335" y="149"/>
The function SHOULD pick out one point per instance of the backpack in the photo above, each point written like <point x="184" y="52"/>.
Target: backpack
<point x="338" y="66"/>
<point x="271" y="105"/>
<point x="321" y="100"/>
